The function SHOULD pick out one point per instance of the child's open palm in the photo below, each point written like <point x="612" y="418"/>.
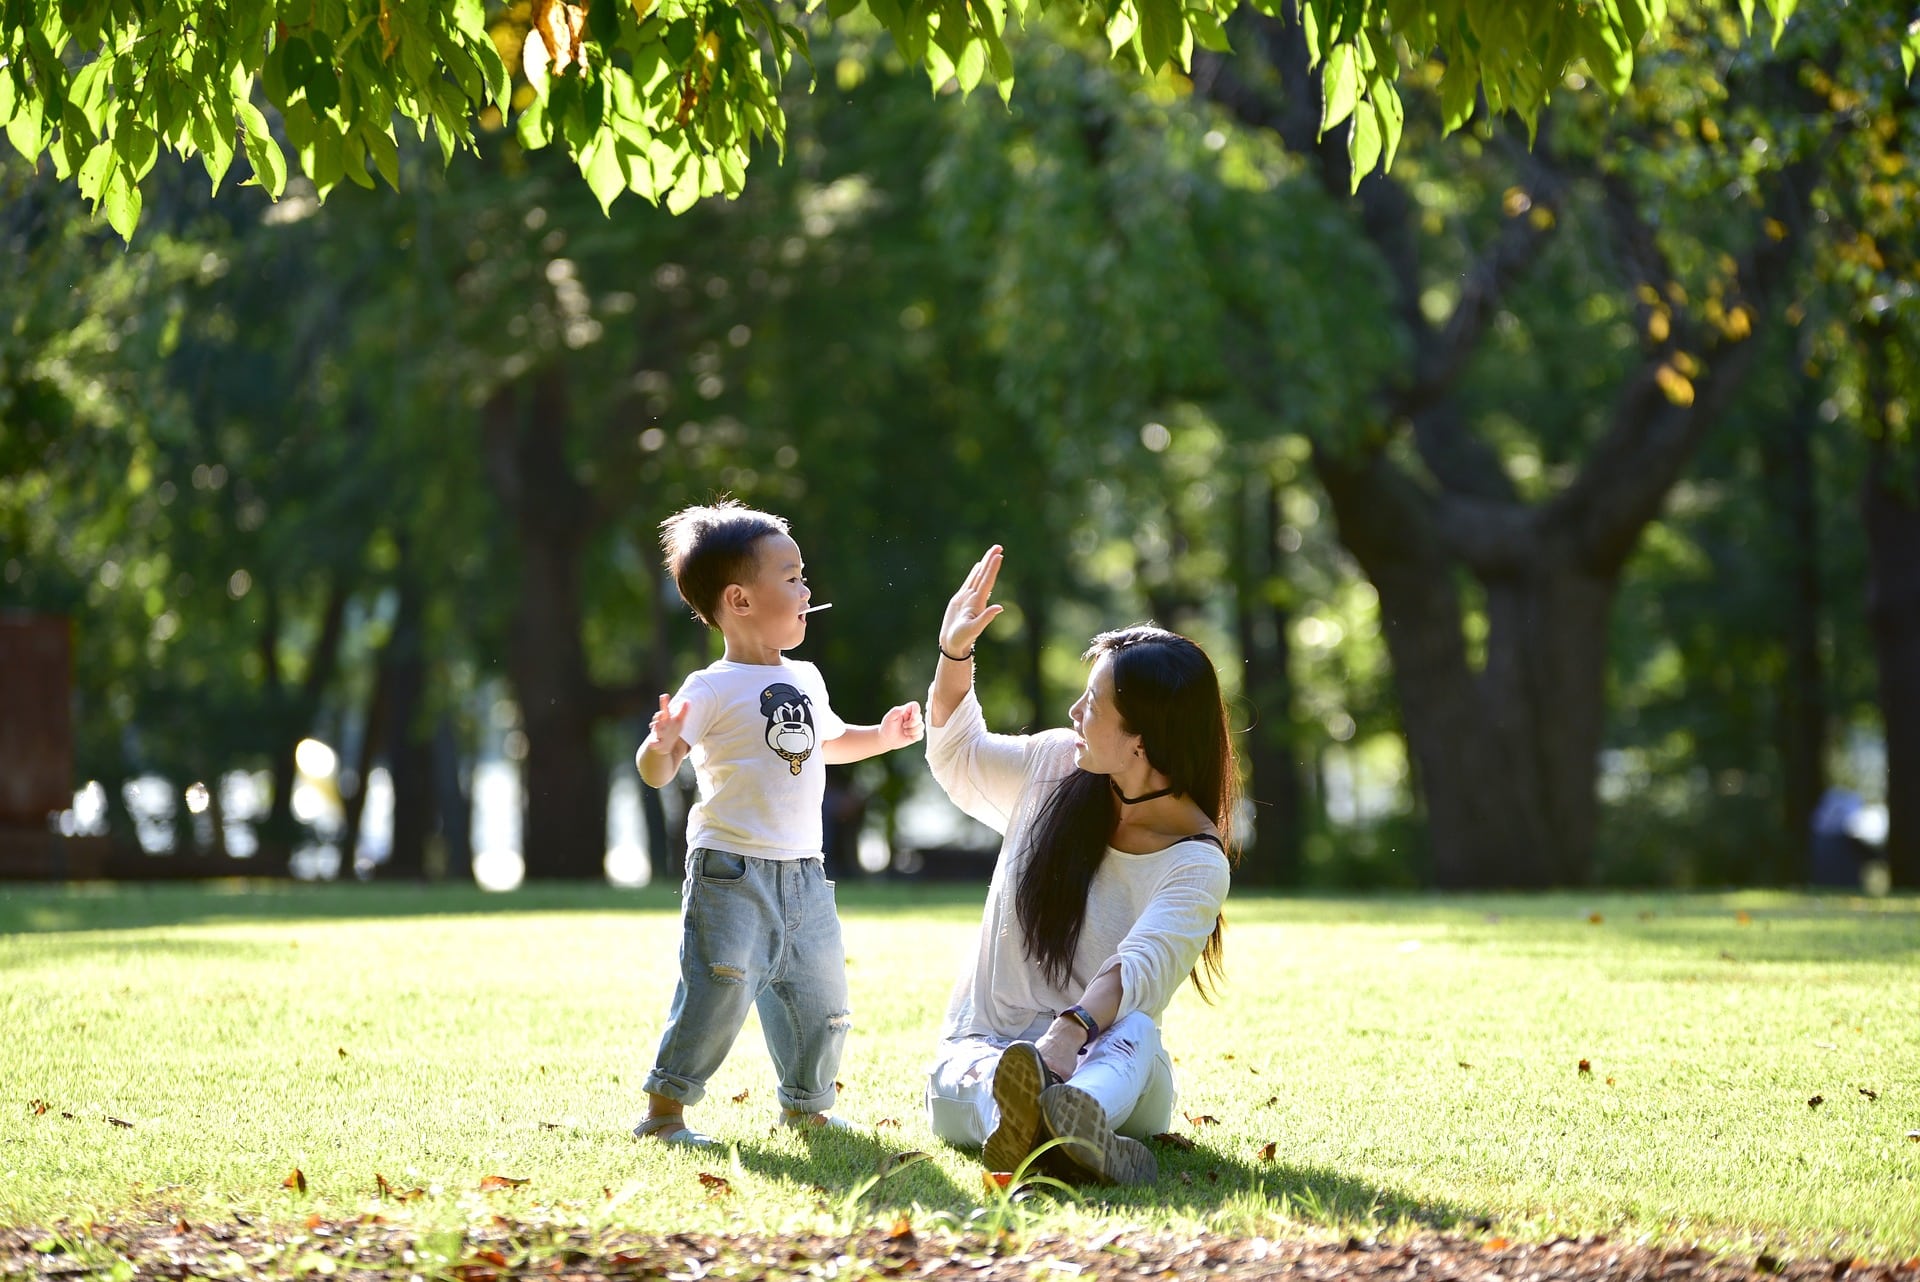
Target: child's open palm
<point x="668" y="723"/>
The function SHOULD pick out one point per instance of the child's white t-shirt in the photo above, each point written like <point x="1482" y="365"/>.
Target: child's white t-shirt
<point x="756" y="731"/>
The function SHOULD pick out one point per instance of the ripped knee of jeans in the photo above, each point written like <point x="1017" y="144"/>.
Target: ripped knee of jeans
<point x="722" y="973"/>
<point x="840" y="1022"/>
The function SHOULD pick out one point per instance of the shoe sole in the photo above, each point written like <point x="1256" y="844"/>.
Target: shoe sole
<point x="1017" y="1083"/>
<point x="1108" y="1158"/>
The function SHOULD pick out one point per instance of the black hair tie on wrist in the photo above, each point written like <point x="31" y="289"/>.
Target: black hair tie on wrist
<point x="957" y="658"/>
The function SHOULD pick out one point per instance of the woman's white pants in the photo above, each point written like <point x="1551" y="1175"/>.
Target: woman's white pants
<point x="1125" y="1068"/>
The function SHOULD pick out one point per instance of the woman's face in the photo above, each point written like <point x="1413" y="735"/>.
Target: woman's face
<point x="1106" y="746"/>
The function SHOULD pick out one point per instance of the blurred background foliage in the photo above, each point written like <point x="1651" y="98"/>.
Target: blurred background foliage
<point x="1549" y="509"/>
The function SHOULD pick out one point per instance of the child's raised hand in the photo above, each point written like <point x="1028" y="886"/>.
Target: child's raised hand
<point x="667" y="724"/>
<point x="902" y="726"/>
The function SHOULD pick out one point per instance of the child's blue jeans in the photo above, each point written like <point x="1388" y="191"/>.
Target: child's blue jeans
<point x="757" y="933"/>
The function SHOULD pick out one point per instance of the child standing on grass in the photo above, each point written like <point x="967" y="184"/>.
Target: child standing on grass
<point x="758" y="923"/>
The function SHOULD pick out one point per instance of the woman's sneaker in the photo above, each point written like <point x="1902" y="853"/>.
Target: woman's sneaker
<point x="1091" y="1148"/>
<point x="1017" y="1083"/>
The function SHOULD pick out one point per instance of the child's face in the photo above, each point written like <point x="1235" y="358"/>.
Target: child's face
<point x="776" y="595"/>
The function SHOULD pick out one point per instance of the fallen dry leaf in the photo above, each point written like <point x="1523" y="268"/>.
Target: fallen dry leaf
<point x="381" y="1188"/>
<point x="296" y="1181"/>
<point x="1743" y="918"/>
<point x="716" y="1185"/>
<point x="1463" y="1063"/>
<point x="117" y="1122"/>
<point x="1609" y="1079"/>
<point x="1175" y="1140"/>
<point x="1272" y="1101"/>
<point x="1586" y="1068"/>
<point x="1816" y="1101"/>
<point x="314" y="1221"/>
<point x="342" y="1051"/>
<point x="741" y="1098"/>
<point x="494" y="1258"/>
<point x="1266" y="1150"/>
<point x="1914" y="1136"/>
<point x="1871" y="1095"/>
<point x="1595" y="918"/>
<point x="38" y="1106"/>
<point x="894" y="1122"/>
<point x="996" y="1179"/>
<point x="1498" y="1244"/>
<point x="893" y="1162"/>
<point x="491" y="1182"/>
<point x="902" y="1230"/>
<point x="1205" y="1119"/>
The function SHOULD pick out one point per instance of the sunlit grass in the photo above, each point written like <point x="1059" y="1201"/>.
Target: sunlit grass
<point x="1409" y="1061"/>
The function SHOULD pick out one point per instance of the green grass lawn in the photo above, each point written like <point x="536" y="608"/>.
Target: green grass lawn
<point x="1373" y="1064"/>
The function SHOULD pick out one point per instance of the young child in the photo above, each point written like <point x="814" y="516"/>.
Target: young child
<point x="758" y="922"/>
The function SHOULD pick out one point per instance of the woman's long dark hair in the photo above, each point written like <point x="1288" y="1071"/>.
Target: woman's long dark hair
<point x="1167" y="693"/>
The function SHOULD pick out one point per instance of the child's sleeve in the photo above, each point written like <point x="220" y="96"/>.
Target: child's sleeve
<point x="981" y="772"/>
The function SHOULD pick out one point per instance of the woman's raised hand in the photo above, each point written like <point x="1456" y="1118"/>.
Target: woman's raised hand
<point x="970" y="610"/>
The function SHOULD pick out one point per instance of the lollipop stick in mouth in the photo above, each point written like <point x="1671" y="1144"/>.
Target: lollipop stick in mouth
<point x="815" y="609"/>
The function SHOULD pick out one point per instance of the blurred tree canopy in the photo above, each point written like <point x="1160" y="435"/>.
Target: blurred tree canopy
<point x="667" y="98"/>
<point x="1528" y="499"/>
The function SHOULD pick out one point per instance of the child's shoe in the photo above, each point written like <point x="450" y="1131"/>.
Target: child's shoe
<point x="815" y="1121"/>
<point x="673" y="1129"/>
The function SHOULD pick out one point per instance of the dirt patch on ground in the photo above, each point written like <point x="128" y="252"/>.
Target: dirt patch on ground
<point x="370" y="1248"/>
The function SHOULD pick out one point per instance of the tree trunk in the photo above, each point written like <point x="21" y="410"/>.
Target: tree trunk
<point x="1802" y="721"/>
<point x="453" y="804"/>
<point x="1272" y="740"/>
<point x="409" y="745"/>
<point x="564" y="834"/>
<point x="1891" y="505"/>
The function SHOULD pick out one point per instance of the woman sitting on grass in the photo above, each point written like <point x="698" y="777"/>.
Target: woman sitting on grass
<point x="1106" y="895"/>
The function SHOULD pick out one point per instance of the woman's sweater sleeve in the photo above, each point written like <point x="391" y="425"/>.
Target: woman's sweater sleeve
<point x="981" y="772"/>
<point x="1165" y="943"/>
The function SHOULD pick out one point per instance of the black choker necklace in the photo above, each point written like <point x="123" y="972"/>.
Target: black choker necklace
<point x="1125" y="800"/>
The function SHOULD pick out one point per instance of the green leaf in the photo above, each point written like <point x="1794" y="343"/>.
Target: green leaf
<point x="1122" y="25"/>
<point x="972" y="64"/>
<point x="269" y="166"/>
<point x="1363" y="144"/>
<point x="24" y="130"/>
<point x="600" y="163"/>
<point x="1339" y="87"/>
<point x="1635" y="18"/>
<point x="494" y="69"/>
<point x="1161" y="31"/>
<point x="1208" y="31"/>
<point x="93" y="173"/>
<point x="534" y="128"/>
<point x="138" y="146"/>
<point x="122" y="198"/>
<point x="1607" y="55"/>
<point x="1910" y="48"/>
<point x="215" y="146"/>
<point x="1393" y="118"/>
<point x="386" y="156"/>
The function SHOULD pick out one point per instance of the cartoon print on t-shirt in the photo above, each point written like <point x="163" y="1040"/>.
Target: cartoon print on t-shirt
<point x="789" y="715"/>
